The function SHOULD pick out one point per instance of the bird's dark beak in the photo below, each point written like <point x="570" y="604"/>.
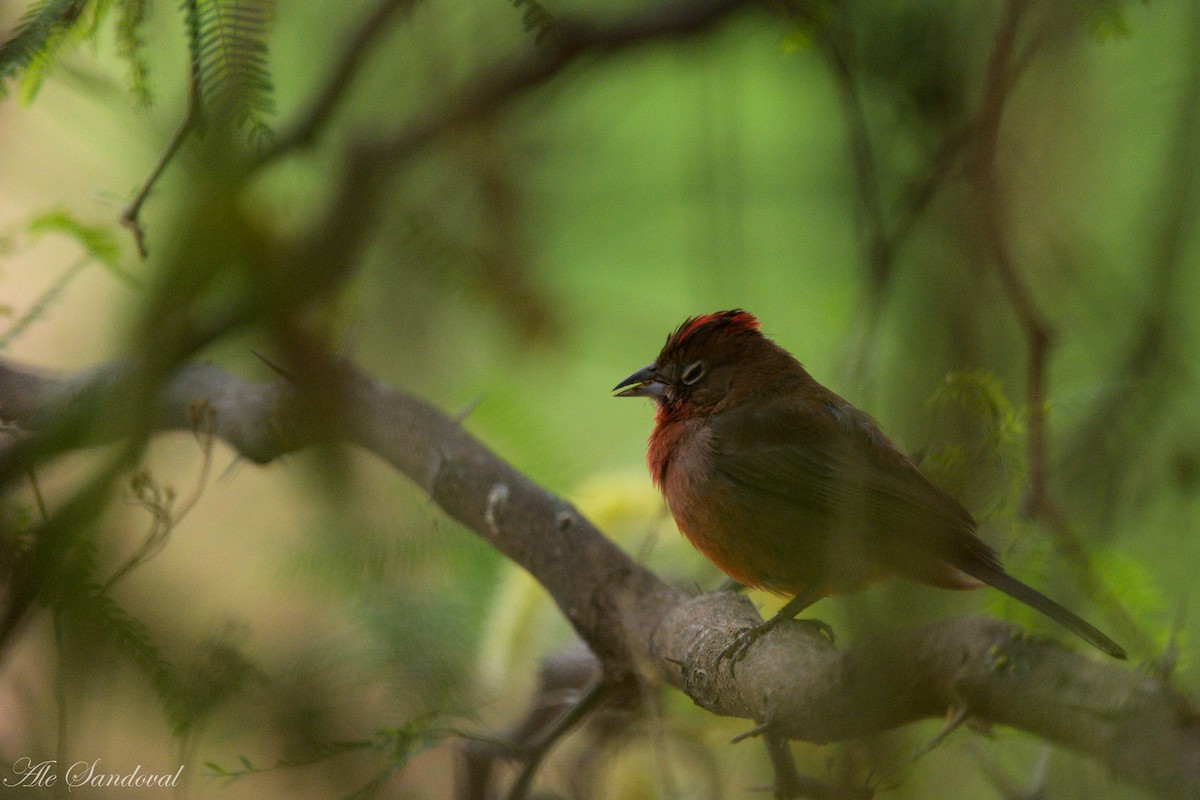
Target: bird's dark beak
<point x="643" y="383"/>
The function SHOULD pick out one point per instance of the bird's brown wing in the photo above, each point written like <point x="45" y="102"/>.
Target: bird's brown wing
<point x="826" y="462"/>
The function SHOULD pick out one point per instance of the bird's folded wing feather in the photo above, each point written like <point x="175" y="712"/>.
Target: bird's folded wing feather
<point x="827" y="455"/>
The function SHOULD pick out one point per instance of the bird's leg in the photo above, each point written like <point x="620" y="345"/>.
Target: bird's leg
<point x="737" y="649"/>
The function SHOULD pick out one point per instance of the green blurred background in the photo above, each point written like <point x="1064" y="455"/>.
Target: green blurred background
<point x="523" y="264"/>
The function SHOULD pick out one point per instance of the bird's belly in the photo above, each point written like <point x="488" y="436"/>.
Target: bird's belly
<point x="783" y="548"/>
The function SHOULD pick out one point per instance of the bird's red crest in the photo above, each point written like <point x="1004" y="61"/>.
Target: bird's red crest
<point x="734" y="321"/>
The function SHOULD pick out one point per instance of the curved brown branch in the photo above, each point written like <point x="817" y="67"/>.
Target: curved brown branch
<point x="795" y="680"/>
<point x="998" y="84"/>
<point x="309" y="124"/>
<point x="1002" y="72"/>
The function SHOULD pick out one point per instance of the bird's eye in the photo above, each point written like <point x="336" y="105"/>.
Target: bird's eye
<point x="692" y="373"/>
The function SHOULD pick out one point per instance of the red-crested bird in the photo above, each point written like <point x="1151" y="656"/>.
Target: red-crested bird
<point x="787" y="487"/>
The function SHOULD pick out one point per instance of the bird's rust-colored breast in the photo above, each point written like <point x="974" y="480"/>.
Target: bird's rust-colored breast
<point x="679" y="457"/>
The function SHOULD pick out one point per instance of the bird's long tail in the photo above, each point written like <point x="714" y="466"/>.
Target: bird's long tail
<point x="995" y="576"/>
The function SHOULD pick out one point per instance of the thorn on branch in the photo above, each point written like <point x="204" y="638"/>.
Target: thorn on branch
<point x="287" y="375"/>
<point x="956" y="715"/>
<point x="467" y="409"/>
<point x="757" y="730"/>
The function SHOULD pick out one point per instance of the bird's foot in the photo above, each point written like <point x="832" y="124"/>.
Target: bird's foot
<point x="736" y="650"/>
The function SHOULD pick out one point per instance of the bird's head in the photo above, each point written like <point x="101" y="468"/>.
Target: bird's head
<point x="704" y="360"/>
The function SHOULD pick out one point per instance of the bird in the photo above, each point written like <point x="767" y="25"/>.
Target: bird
<point x="787" y="487"/>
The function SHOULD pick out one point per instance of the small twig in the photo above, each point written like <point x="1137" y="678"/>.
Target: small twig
<point x="468" y="409"/>
<point x="758" y="730"/>
<point x="25" y="580"/>
<point x="39" y="500"/>
<point x="537" y="750"/>
<point x="276" y="367"/>
<point x="878" y="246"/>
<point x="994" y="220"/>
<point x="354" y="54"/>
<point x="919" y="194"/>
<point x="791" y="785"/>
<point x="1108" y="438"/>
<point x="61" y="706"/>
<point x="60" y="683"/>
<point x="129" y="217"/>
<point x="955" y="718"/>
<point x="787" y="779"/>
<point x="1000" y="76"/>
<point x="881" y="237"/>
<point x="163" y="515"/>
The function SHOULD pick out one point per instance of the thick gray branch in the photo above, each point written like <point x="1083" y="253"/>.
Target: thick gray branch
<point x="1142" y="730"/>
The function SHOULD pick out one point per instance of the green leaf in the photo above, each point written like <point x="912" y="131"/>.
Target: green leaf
<point x="100" y="243"/>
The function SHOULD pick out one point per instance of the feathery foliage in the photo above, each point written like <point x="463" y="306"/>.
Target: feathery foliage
<point x="97" y="242"/>
<point x="99" y="247"/>
<point x="34" y="44"/>
<point x="228" y="47"/>
<point x="35" y="40"/>
<point x="130" y="47"/>
<point x="397" y="746"/>
<point x="80" y="601"/>
<point x="42" y="303"/>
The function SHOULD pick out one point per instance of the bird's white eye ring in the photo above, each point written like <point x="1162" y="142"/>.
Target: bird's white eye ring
<point x="692" y="373"/>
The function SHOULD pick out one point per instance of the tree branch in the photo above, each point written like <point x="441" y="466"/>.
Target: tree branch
<point x="1002" y="72"/>
<point x="324" y="256"/>
<point x="794" y="680"/>
<point x="312" y="121"/>
<point x="130" y="216"/>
